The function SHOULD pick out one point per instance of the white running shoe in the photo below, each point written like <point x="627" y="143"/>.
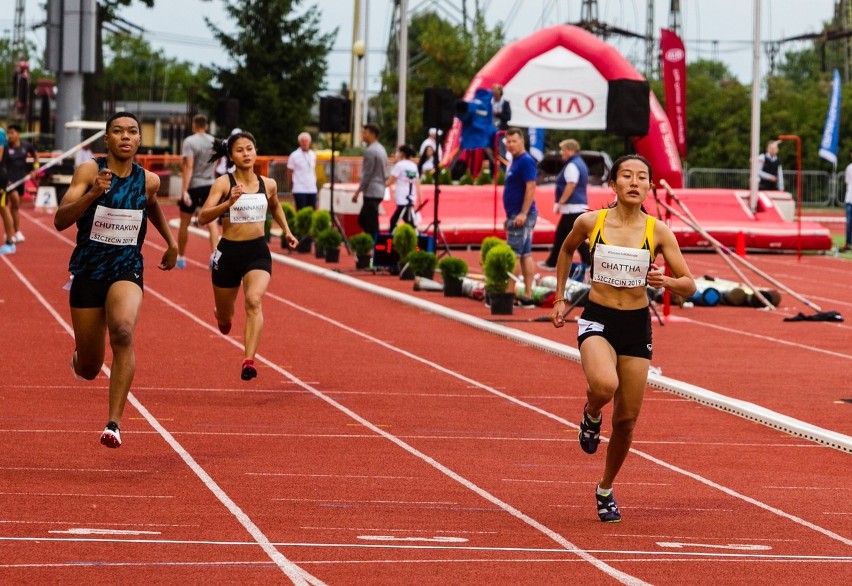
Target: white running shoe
<point x="111" y="437"/>
<point x="19" y="237"/>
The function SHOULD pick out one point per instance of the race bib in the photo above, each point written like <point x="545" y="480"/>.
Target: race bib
<point x="251" y="207"/>
<point x="116" y="227"/>
<point x="621" y="267"/>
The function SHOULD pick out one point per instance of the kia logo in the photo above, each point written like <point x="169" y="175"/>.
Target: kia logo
<point x="675" y="55"/>
<point x="560" y="105"/>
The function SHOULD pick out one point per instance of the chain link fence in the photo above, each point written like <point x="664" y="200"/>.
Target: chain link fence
<point x="819" y="188"/>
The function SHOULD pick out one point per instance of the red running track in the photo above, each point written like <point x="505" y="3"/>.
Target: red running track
<point x="382" y="444"/>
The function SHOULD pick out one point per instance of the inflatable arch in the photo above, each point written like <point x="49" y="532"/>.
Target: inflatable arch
<point x="559" y="78"/>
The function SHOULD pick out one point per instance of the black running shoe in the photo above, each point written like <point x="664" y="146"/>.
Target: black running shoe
<point x="249" y="372"/>
<point x="111" y="436"/>
<point x="608" y="508"/>
<point x="590" y="433"/>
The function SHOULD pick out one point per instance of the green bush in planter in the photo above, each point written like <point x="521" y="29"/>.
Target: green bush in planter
<point x="499" y="262"/>
<point x="362" y="244"/>
<point x="487" y="244"/>
<point x="428" y="178"/>
<point x="466" y="179"/>
<point x="445" y="178"/>
<point x="320" y="222"/>
<point x="404" y="241"/>
<point x="301" y="227"/>
<point x="484" y="177"/>
<point x="422" y="263"/>
<point x="289" y="213"/>
<point x="501" y="177"/>
<point x="329" y="239"/>
<point x="452" y="268"/>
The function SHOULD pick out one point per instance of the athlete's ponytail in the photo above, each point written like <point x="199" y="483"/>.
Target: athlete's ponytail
<point x="223" y="148"/>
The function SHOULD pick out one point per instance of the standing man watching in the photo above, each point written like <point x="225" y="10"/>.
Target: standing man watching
<point x="769" y="169"/>
<point x="111" y="199"/>
<point x="197" y="175"/>
<point x="302" y="173"/>
<point x="571" y="201"/>
<point x="18" y="164"/>
<point x="373" y="178"/>
<point x="519" y="205"/>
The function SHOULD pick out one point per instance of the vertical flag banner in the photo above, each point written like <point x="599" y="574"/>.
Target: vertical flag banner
<point x="831" y="134"/>
<point x="674" y="79"/>
<point x="536" y="143"/>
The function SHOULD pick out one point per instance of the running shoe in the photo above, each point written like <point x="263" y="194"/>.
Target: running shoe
<point x="590" y="433"/>
<point x="525" y="303"/>
<point x="608" y="508"/>
<point x="543" y="265"/>
<point x="181" y="262"/>
<point x="249" y="371"/>
<point x="111" y="437"/>
<point x="19" y="237"/>
<point x="8" y="248"/>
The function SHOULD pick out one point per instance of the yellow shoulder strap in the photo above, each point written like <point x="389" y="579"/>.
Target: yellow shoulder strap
<point x="650" y="224"/>
<point x="598" y="229"/>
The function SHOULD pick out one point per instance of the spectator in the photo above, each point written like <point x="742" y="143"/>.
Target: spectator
<point x="405" y="177"/>
<point x="519" y="205"/>
<point x="373" y="178"/>
<point x="197" y="175"/>
<point x="302" y="172"/>
<point x="769" y="169"/>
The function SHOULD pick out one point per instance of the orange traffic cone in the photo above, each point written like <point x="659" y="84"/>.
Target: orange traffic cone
<point x="741" y="244"/>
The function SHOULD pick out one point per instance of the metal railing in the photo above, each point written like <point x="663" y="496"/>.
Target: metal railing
<point x="819" y="188"/>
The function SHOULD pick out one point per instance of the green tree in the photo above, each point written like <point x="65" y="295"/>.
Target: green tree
<point x="441" y="55"/>
<point x="280" y="60"/>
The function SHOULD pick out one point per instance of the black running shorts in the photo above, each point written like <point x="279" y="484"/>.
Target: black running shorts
<point x="234" y="258"/>
<point x="88" y="293"/>
<point x="627" y="331"/>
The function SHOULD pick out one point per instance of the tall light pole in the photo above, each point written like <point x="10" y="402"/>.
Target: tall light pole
<point x="755" y="108"/>
<point x="358" y="49"/>
<point x="403" y="72"/>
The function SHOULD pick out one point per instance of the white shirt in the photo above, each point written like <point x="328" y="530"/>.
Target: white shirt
<point x="303" y="164"/>
<point x="405" y="172"/>
<point x="572" y="175"/>
<point x="848" y="184"/>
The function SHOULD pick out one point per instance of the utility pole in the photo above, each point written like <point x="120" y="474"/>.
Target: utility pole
<point x="650" y="54"/>
<point x="674" y="17"/>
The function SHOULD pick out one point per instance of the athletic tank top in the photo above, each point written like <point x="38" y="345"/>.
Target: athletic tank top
<point x="621" y="266"/>
<point x="250" y="207"/>
<point x="111" y="231"/>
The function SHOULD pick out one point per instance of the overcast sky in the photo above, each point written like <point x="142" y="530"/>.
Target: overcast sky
<point x="720" y="29"/>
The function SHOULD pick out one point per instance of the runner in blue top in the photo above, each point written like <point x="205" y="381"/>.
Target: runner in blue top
<point x="111" y="200"/>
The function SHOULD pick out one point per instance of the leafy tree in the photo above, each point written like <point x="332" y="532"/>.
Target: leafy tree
<point x="280" y="60"/>
<point x="441" y="54"/>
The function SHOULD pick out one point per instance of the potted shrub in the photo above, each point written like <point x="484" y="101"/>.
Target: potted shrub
<point x="362" y="245"/>
<point x="484" y="177"/>
<point x="453" y="271"/>
<point x="422" y="263"/>
<point x="499" y="262"/>
<point x="329" y="240"/>
<point x="320" y="222"/>
<point x="487" y="244"/>
<point x="302" y="227"/>
<point x="290" y="216"/>
<point x="404" y="243"/>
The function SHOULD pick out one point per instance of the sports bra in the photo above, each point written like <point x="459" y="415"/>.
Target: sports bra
<point x="250" y="207"/>
<point x="621" y="266"/>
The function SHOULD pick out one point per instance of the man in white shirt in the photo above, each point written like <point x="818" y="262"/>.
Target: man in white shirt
<point x="302" y="173"/>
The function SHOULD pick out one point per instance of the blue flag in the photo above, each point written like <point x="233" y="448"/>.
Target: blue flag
<point x="537" y="143"/>
<point x="831" y="134"/>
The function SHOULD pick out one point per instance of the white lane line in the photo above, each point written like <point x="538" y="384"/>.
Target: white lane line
<point x="398" y="546"/>
<point x="85" y="495"/>
<point x="602" y="566"/>
<point x="561" y="420"/>
<point x="296" y="574"/>
<point x="107" y="470"/>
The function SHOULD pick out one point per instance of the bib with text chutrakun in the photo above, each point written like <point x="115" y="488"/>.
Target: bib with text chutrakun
<point x="115" y="226"/>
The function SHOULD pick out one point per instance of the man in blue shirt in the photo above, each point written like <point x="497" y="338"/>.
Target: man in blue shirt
<point x="519" y="205"/>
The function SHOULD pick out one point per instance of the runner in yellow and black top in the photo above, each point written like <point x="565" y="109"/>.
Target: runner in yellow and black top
<point x="111" y="200"/>
<point x="614" y="332"/>
<point x="242" y="199"/>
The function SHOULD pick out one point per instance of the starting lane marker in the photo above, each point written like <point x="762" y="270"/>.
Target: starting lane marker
<point x="90" y="531"/>
<point x="737" y="546"/>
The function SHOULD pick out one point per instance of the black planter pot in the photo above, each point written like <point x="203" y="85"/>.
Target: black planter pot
<point x="502" y="303"/>
<point x="332" y="255"/>
<point x="304" y="245"/>
<point x="406" y="274"/>
<point x="319" y="252"/>
<point x="363" y="261"/>
<point x="453" y="288"/>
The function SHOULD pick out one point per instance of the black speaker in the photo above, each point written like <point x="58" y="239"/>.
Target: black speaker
<point x="228" y="113"/>
<point x="628" y="107"/>
<point x="334" y="114"/>
<point x="438" y="107"/>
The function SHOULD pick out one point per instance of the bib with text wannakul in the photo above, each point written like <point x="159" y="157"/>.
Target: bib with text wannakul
<point x="250" y="207"/>
<point x="619" y="266"/>
<point x="115" y="226"/>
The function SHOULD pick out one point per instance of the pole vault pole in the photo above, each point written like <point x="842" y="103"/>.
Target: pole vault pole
<point x="56" y="160"/>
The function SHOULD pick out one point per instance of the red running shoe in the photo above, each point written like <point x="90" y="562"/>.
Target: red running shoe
<point x="249" y="371"/>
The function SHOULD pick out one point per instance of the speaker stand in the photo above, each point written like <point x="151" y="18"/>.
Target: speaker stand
<point x="334" y="219"/>
<point x="436" y="223"/>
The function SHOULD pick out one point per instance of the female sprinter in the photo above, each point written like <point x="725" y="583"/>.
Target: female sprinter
<point x="407" y="192"/>
<point x="242" y="199"/>
<point x="614" y="332"/>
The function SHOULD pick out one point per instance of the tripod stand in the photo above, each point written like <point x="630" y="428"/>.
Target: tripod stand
<point x="334" y="220"/>
<point x="436" y="223"/>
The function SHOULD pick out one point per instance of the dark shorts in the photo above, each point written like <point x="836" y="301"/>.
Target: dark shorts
<point x="305" y="200"/>
<point x="627" y="331"/>
<point x="233" y="259"/>
<point x="89" y="293"/>
<point x="197" y="195"/>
